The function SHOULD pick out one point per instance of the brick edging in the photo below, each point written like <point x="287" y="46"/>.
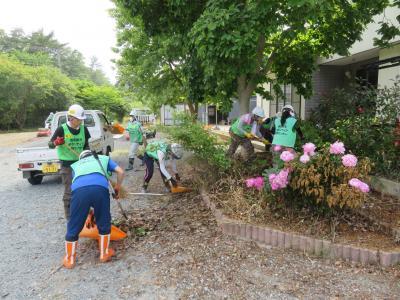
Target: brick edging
<point x="288" y="240"/>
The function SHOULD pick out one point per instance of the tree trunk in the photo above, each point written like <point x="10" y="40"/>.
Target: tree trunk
<point x="244" y="90"/>
<point x="193" y="108"/>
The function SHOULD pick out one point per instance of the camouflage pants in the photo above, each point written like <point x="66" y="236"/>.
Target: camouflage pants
<point x="237" y="141"/>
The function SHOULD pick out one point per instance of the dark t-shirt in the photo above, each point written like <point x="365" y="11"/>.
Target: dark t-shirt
<point x="60" y="133"/>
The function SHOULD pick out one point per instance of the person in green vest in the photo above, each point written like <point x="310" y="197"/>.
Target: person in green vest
<point x="71" y="139"/>
<point x="136" y="137"/>
<point x="244" y="129"/>
<point x="285" y="129"/>
<point x="160" y="152"/>
<point x="90" y="188"/>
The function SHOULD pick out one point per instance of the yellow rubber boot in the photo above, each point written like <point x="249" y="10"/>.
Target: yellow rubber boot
<point x="70" y="254"/>
<point x="105" y="251"/>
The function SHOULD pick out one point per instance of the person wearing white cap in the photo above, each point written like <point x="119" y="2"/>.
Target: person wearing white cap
<point x="285" y="128"/>
<point x="244" y="129"/>
<point x="71" y="139"/>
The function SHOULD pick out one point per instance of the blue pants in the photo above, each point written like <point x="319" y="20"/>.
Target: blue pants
<point x="82" y="199"/>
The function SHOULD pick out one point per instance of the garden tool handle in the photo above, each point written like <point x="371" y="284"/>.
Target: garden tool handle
<point x="110" y="185"/>
<point x="70" y="149"/>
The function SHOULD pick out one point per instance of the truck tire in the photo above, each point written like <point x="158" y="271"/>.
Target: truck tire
<point x="35" y="178"/>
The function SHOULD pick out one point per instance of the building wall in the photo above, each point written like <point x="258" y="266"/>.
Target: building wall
<point x="387" y="76"/>
<point x="323" y="81"/>
<point x="167" y="113"/>
<point x="367" y="41"/>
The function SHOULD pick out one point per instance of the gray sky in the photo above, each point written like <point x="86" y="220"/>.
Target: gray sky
<point x="84" y="24"/>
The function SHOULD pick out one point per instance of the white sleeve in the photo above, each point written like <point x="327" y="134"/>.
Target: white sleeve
<point x="161" y="160"/>
<point x="173" y="166"/>
<point x="255" y="129"/>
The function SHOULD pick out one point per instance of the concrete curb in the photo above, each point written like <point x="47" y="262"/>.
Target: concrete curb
<point x="287" y="240"/>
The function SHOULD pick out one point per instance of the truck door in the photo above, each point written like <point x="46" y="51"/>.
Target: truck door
<point x="107" y="135"/>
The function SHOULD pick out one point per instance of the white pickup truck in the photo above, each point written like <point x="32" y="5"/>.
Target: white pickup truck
<point x="36" y="162"/>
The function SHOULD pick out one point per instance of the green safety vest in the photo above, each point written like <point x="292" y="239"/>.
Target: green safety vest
<point x="153" y="147"/>
<point x="285" y="135"/>
<point x="135" y="135"/>
<point x="235" y="129"/>
<point x="90" y="165"/>
<point x="76" y="142"/>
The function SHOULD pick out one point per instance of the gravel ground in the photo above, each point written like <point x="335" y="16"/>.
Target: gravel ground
<point x="182" y="256"/>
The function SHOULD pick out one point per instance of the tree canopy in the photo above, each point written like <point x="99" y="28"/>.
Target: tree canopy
<point x="236" y="46"/>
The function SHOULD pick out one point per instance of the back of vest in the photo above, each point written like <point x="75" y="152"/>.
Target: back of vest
<point x="285" y="135"/>
<point x="90" y="165"/>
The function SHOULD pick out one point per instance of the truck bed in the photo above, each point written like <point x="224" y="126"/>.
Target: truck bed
<point x="36" y="154"/>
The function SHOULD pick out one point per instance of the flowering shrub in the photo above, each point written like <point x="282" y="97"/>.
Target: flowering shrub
<point x="325" y="179"/>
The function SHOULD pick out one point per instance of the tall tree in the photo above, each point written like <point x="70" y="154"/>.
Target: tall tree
<point x="158" y="63"/>
<point x="249" y="43"/>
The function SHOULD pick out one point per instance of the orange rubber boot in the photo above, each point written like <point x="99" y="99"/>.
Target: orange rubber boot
<point x="105" y="251"/>
<point x="70" y="254"/>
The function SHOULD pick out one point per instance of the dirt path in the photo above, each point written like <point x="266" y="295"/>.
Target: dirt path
<point x="183" y="255"/>
<point x="13" y="139"/>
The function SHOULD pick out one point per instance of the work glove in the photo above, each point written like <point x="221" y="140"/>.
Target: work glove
<point x="59" y="141"/>
<point x="265" y="141"/>
<point x="249" y="135"/>
<point x="173" y="182"/>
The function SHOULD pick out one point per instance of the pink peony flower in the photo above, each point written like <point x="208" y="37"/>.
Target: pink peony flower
<point x="349" y="160"/>
<point x="249" y="182"/>
<point x="277" y="148"/>
<point x="309" y="148"/>
<point x="274" y="186"/>
<point x="257" y="182"/>
<point x="279" y="181"/>
<point x="358" y="184"/>
<point x="304" y="158"/>
<point x="337" y="148"/>
<point x="287" y="156"/>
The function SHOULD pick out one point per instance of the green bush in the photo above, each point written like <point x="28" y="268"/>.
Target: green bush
<point x="364" y="120"/>
<point x="194" y="137"/>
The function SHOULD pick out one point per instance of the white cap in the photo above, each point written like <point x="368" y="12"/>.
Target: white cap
<point x="258" y="111"/>
<point x="177" y="150"/>
<point x="288" y="106"/>
<point x="76" y="111"/>
<point x="85" y="153"/>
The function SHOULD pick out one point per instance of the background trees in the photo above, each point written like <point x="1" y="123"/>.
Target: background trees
<point x="38" y="75"/>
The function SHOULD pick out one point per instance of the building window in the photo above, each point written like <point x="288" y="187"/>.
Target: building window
<point x="278" y="102"/>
